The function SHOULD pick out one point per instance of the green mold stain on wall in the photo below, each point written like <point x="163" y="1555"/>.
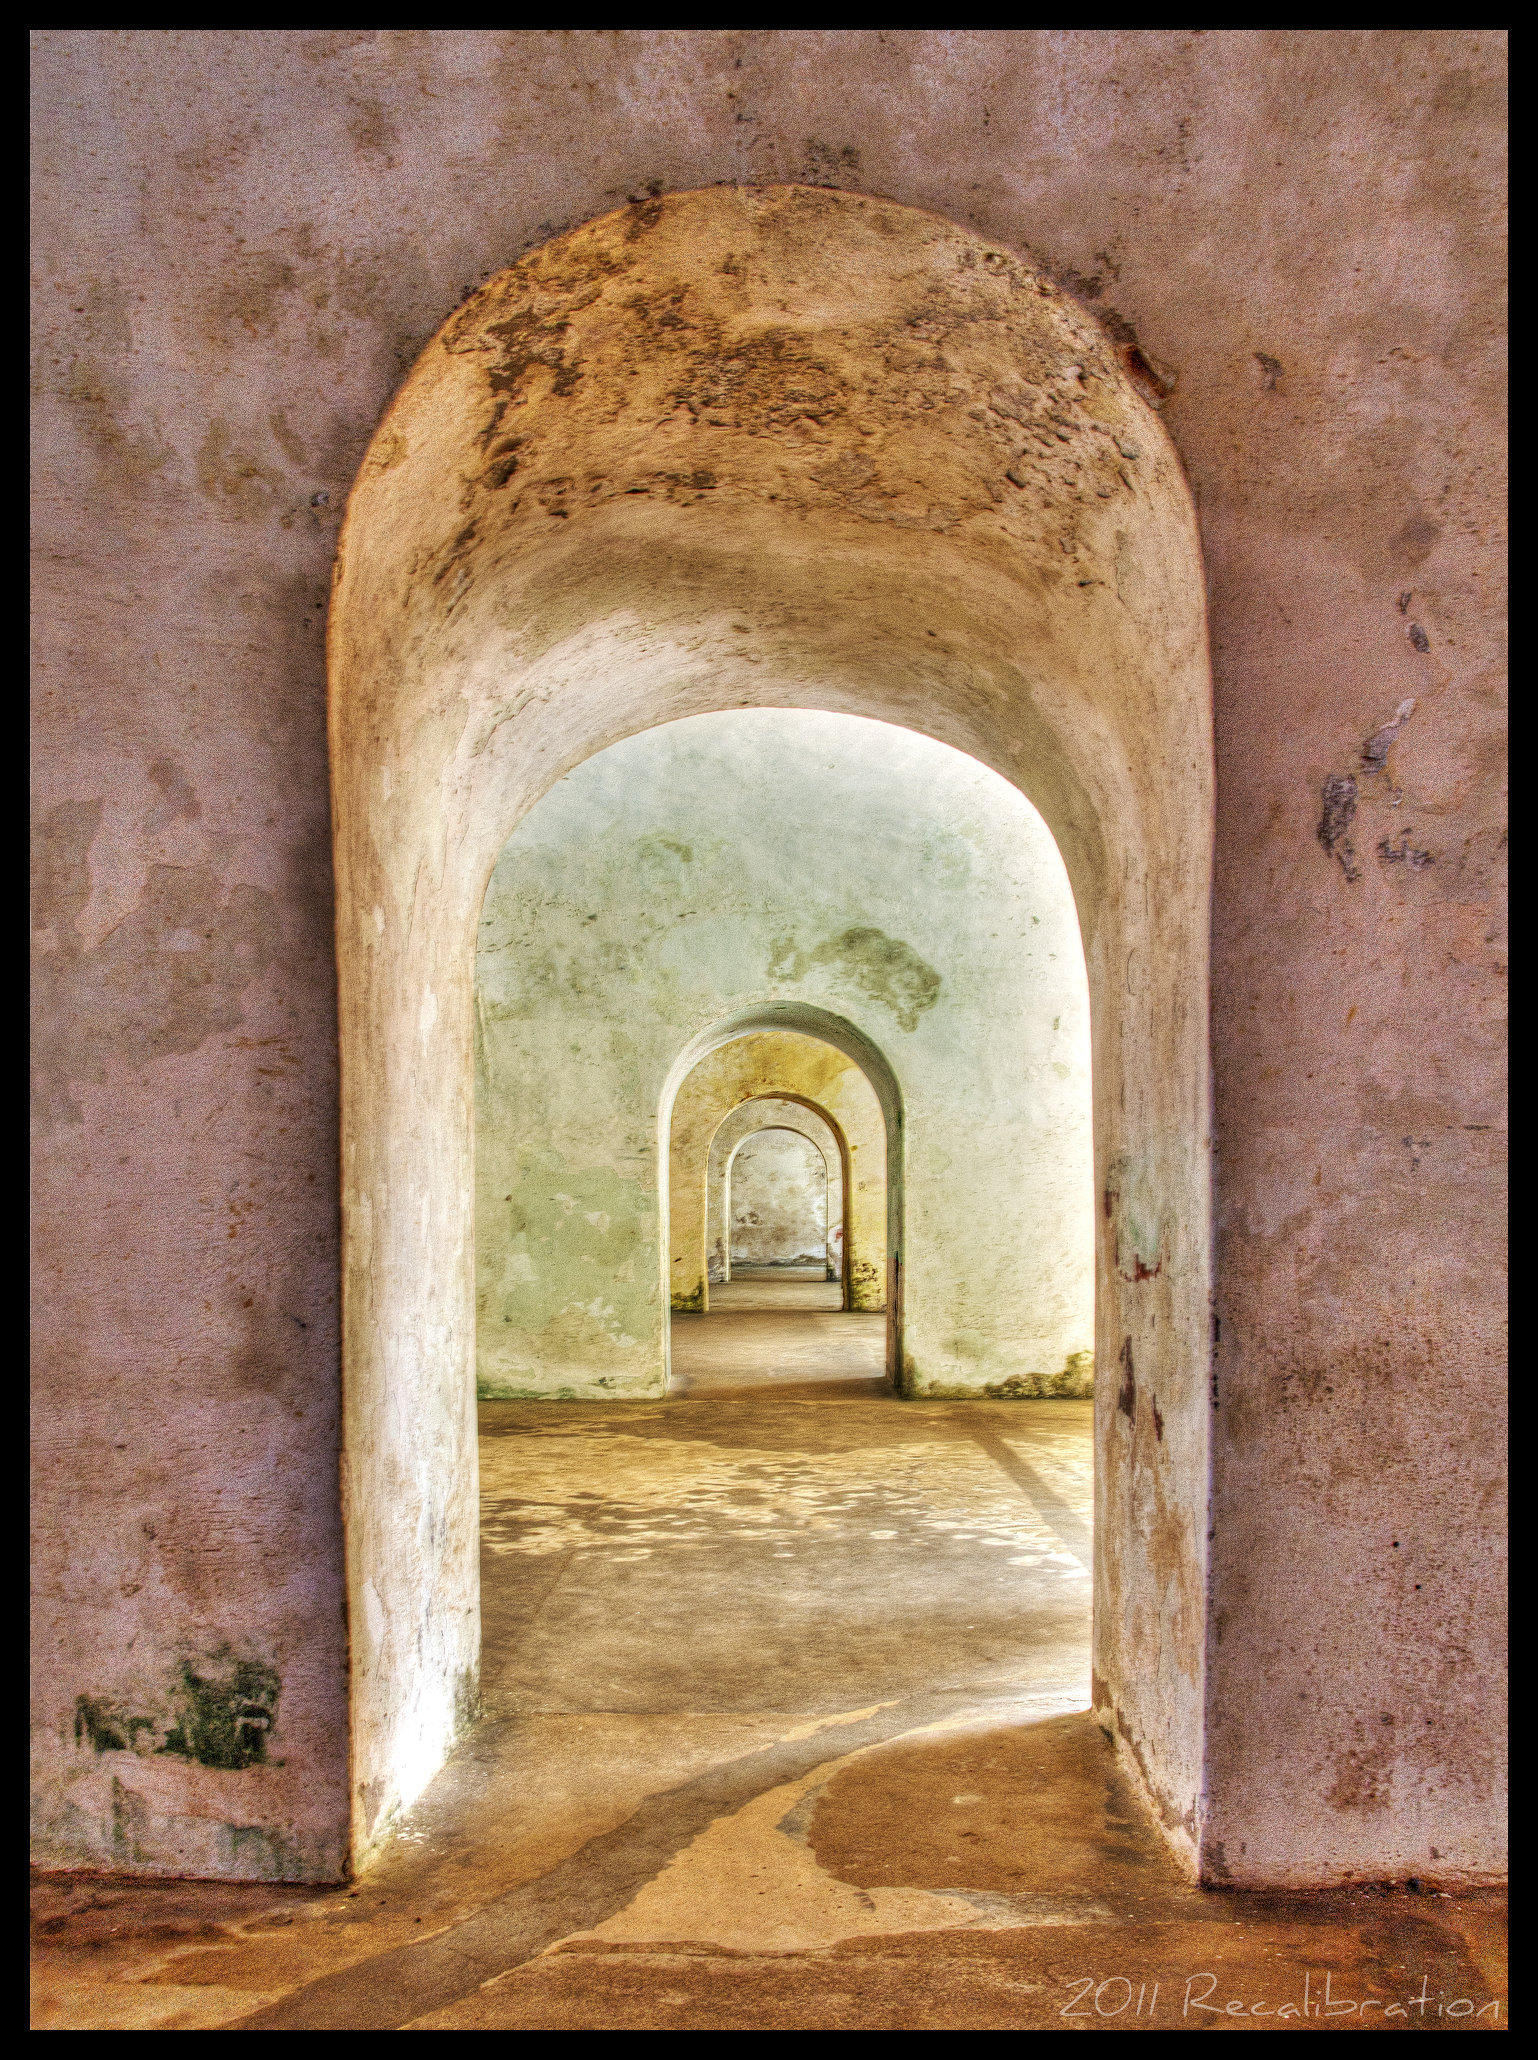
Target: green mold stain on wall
<point x="880" y="967"/>
<point x="106" y="1726"/>
<point x="219" y="1712"/>
<point x="867" y="1286"/>
<point x="224" y="1716"/>
<point x="1074" y="1380"/>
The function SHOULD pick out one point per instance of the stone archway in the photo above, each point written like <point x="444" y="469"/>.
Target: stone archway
<point x="806" y="1068"/>
<point x="739" y="1129"/>
<point x="790" y="448"/>
<point x="777" y="1191"/>
<point x="846" y="1072"/>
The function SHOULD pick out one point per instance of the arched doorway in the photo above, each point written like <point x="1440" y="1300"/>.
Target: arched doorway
<point x="715" y="1109"/>
<point x="732" y="1180"/>
<point x="780" y="448"/>
<point x="776" y="1200"/>
<point x="778" y="1216"/>
<point x="830" y="1066"/>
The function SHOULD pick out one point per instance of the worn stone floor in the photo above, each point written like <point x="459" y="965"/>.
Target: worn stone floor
<point x="785" y="1688"/>
<point x="776" y="1290"/>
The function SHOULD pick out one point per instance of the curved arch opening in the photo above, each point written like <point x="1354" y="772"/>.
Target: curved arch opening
<point x="787" y="512"/>
<point x="782" y="1047"/>
<point x="796" y="1114"/>
<point x="793" y="1055"/>
<point x="777" y="1200"/>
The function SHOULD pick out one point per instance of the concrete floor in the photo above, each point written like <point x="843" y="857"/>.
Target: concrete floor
<point x="785" y="1688"/>
<point x="775" y="1290"/>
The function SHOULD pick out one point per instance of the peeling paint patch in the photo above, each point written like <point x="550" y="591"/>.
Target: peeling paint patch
<point x="1339" y="796"/>
<point x="1375" y="751"/>
<point x="1126" y="1401"/>
<point x="1403" y="854"/>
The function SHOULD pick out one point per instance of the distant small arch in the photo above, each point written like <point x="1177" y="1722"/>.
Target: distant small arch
<point x="828" y="1181"/>
<point x="806" y="1020"/>
<point x="788" y="1111"/>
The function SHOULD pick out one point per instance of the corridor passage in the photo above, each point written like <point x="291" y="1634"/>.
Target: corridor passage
<point x="780" y="1288"/>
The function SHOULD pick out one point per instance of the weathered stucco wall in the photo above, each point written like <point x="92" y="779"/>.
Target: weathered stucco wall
<point x="729" y="863"/>
<point x="720" y="1172"/>
<point x="242" y="240"/>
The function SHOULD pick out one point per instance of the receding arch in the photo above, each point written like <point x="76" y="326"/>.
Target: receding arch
<point x="742" y="1171"/>
<point x="793" y="1060"/>
<point x="790" y="448"/>
<point x="801" y="1021"/>
<point x="792" y="1111"/>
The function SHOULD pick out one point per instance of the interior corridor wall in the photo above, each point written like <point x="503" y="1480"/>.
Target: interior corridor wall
<point x="732" y="861"/>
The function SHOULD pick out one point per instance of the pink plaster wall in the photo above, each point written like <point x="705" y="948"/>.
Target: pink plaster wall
<point x="243" y="239"/>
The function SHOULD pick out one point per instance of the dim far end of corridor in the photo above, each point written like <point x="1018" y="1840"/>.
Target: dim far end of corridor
<point x="735" y="1464"/>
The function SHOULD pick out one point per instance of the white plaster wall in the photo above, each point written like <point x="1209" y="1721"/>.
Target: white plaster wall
<point x="735" y="860"/>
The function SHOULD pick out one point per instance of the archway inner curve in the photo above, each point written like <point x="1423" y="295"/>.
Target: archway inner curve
<point x="796" y="1061"/>
<point x="777" y="1200"/>
<point x="763" y="1112"/>
<point x="779" y="1206"/>
<point x="778" y="449"/>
